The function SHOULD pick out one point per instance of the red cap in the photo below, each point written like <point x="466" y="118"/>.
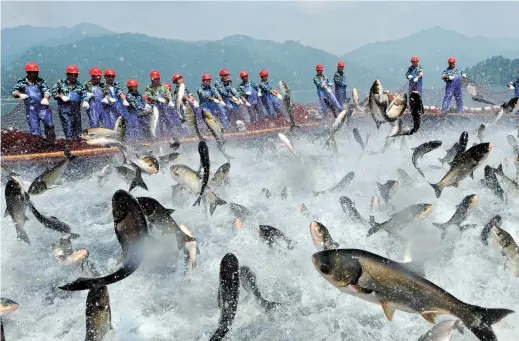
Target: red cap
<point x="175" y="77"/>
<point x="415" y="59"/>
<point x="154" y="74"/>
<point x="110" y="72"/>
<point x="95" y="72"/>
<point x="224" y="72"/>
<point x="72" y="69"/>
<point x="452" y="60"/>
<point x="32" y="67"/>
<point x="243" y="74"/>
<point x="319" y="67"/>
<point x="206" y="77"/>
<point x="263" y="73"/>
<point x="132" y="82"/>
<point x="340" y="64"/>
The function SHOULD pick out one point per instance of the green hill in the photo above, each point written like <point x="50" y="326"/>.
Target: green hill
<point x="495" y="72"/>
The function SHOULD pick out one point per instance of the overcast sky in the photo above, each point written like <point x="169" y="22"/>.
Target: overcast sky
<point x="336" y="27"/>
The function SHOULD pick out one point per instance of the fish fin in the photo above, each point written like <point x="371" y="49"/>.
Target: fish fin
<point x="459" y="326"/>
<point x="138" y="181"/>
<point x="22" y="235"/>
<point x="355" y="288"/>
<point x="6" y="214"/>
<point x="457" y="184"/>
<point x="480" y="321"/>
<point x="380" y="187"/>
<point x="437" y="190"/>
<point x="471" y="176"/>
<point x="430" y="316"/>
<point x="336" y="245"/>
<point x="269" y="305"/>
<point x="443" y="228"/>
<point x="441" y="160"/>
<point x="73" y="235"/>
<point x="416" y="267"/>
<point x="467" y="226"/>
<point x="374" y="226"/>
<point x="499" y="170"/>
<point x="389" y="310"/>
<point x="170" y="211"/>
<point x="219" y="201"/>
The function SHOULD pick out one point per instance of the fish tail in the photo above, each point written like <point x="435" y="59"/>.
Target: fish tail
<point x="437" y="189"/>
<point x="197" y="202"/>
<point x="442" y="227"/>
<point x="374" y="226"/>
<point x="268" y="305"/>
<point x="212" y="206"/>
<point x="138" y="181"/>
<point x="22" y="235"/>
<point x="441" y="160"/>
<point x="499" y="170"/>
<point x="480" y="321"/>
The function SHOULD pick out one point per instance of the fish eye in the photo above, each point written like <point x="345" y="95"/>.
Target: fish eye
<point x="325" y="269"/>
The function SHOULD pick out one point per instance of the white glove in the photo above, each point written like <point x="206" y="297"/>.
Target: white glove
<point x="44" y="101"/>
<point x="451" y="77"/>
<point x="248" y="93"/>
<point x="195" y="103"/>
<point x="23" y="96"/>
<point x="161" y="100"/>
<point x="170" y="104"/>
<point x="327" y="89"/>
<point x="65" y="98"/>
<point x="86" y="105"/>
<point x="216" y="101"/>
<point x="409" y="77"/>
<point x="247" y="104"/>
<point x="463" y="75"/>
<point x="125" y="103"/>
<point x="147" y="107"/>
<point x="415" y="79"/>
<point x="222" y="104"/>
<point x="259" y="93"/>
<point x="240" y="101"/>
<point x="89" y="95"/>
<point x="105" y="100"/>
<point x="234" y="99"/>
<point x="113" y="100"/>
<point x="512" y="87"/>
<point x="281" y="97"/>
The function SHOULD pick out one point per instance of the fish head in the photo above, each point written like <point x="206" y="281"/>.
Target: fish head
<point x="340" y="270"/>
<point x="319" y="234"/>
<point x="423" y="210"/>
<point x="148" y="205"/>
<point x="472" y="200"/>
<point x="7" y="306"/>
<point x="75" y="258"/>
<point x="186" y="230"/>
<point x="37" y="186"/>
<point x="393" y="185"/>
<point x="501" y="237"/>
<point x="346" y="202"/>
<point x="129" y="219"/>
<point x="464" y="138"/>
<point x="376" y="87"/>
<point x="488" y="171"/>
<point x="150" y="163"/>
<point x="480" y="151"/>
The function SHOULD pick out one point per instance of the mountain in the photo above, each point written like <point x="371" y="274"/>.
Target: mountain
<point x="17" y="40"/>
<point x="495" y="72"/>
<point x="390" y="59"/>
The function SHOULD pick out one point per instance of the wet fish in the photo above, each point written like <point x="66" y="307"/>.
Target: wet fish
<point x="287" y="104"/>
<point x="64" y="255"/>
<point x="166" y="159"/>
<point x="511" y="106"/>
<point x="51" y="222"/>
<point x="513" y="143"/>
<point x="17" y="200"/>
<point x="461" y="147"/>
<point x="405" y="178"/>
<point x="398" y="221"/>
<point x="496" y="221"/>
<point x="216" y="130"/>
<point x="154" y="120"/>
<point x="355" y="98"/>
<point x="205" y="163"/>
<point x="7" y="306"/>
<point x="248" y="281"/>
<point x="283" y="138"/>
<point x="125" y="173"/>
<point x="321" y="237"/>
<point x="358" y="138"/>
<point x="392" y="285"/>
<point x="388" y="189"/>
<point x="465" y="165"/>
<point x="375" y="204"/>
<point x="190" y="250"/>
<point x="348" y="206"/>
<point x="481" y="133"/>
<point x="377" y="102"/>
<point x="490" y="181"/>
<point x="180" y="95"/>
<point x="417" y="110"/>
<point x="102" y="177"/>
<point x="508" y="247"/>
<point x="51" y="177"/>
<point x="190" y="180"/>
<point x="137" y="180"/>
<point x="266" y="193"/>
<point x="336" y="126"/>
<point x="147" y="163"/>
<point x="341" y="186"/>
<point x="271" y="234"/>
<point x="191" y="123"/>
<point x="117" y="133"/>
<point x="98" y="314"/>
<point x="228" y="295"/>
<point x="421" y="150"/>
<point x="513" y="185"/>
<point x="160" y="217"/>
<point x="463" y="211"/>
<point x="131" y="230"/>
<point x="220" y="177"/>
<point x="240" y="211"/>
<point x="442" y="331"/>
<point x="396" y="108"/>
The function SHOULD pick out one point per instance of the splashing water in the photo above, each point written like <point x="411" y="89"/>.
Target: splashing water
<point x="156" y="303"/>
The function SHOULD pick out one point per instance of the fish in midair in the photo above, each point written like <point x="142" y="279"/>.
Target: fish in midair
<point x="240" y="211"/>
<point x="126" y="173"/>
<point x="400" y="219"/>
<point x="117" y="133"/>
<point x="154" y="120"/>
<point x="7" y="306"/>
<point x="287" y="104"/>
<point x="460" y="148"/>
<point x="417" y="110"/>
<point x="271" y="234"/>
<point x="405" y="178"/>
<point x="394" y="286"/>
<point x="220" y="177"/>
<point x="192" y="126"/>
<point x="63" y="251"/>
<point x="102" y="177"/>
<point x="375" y="204"/>
<point x="388" y="189"/>
<point x="266" y="193"/>
<point x="396" y="108"/>
<point x="217" y="131"/>
<point x="180" y="95"/>
<point x="166" y="159"/>
<point x="481" y="133"/>
<point x="355" y="98"/>
<point x="283" y="138"/>
<point x="321" y="237"/>
<point x="147" y="163"/>
<point x="463" y="211"/>
<point x="336" y="126"/>
<point x="51" y="177"/>
<point x="511" y="184"/>
<point x="358" y="138"/>
<point x="17" y="201"/>
<point x="98" y="314"/>
<point x="51" y="222"/>
<point x="174" y="143"/>
<point x="348" y="206"/>
<point x="495" y="221"/>
<point x="508" y="247"/>
<point x="228" y="294"/>
<point x="248" y="281"/>
<point x="341" y="186"/>
<point x="131" y="230"/>
<point x="190" y="250"/>
<point x="465" y="165"/>
<point x="490" y="181"/>
<point x="205" y="163"/>
<point x="443" y="331"/>
<point x="421" y="150"/>
<point x="377" y="102"/>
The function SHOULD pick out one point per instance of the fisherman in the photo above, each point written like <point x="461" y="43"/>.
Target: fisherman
<point x="268" y="96"/>
<point x="229" y="95"/>
<point x="211" y="100"/>
<point x="415" y="76"/>
<point x="118" y="103"/>
<point x="34" y="92"/>
<point x="515" y="85"/>
<point x="325" y="93"/>
<point x="248" y="91"/>
<point x="341" y="88"/>
<point x="189" y="97"/>
<point x="137" y="127"/>
<point x="96" y="99"/>
<point x="69" y="93"/>
<point x="172" y="114"/>
<point x="453" y="79"/>
<point x="160" y="96"/>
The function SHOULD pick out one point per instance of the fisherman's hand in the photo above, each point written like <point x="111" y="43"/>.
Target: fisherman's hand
<point x="248" y="93"/>
<point x="65" y="98"/>
<point x="279" y="96"/>
<point x="509" y="84"/>
<point x="113" y="100"/>
<point x="23" y="96"/>
<point x="86" y="105"/>
<point x="195" y="103"/>
<point x="105" y="100"/>
<point x="170" y="104"/>
<point x="247" y="104"/>
<point x="161" y="100"/>
<point x="44" y="101"/>
<point x="464" y="75"/>
<point x="409" y="77"/>
<point x="147" y="108"/>
<point x="451" y="78"/>
<point x="89" y="95"/>
<point x="415" y="79"/>
<point x="125" y="103"/>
